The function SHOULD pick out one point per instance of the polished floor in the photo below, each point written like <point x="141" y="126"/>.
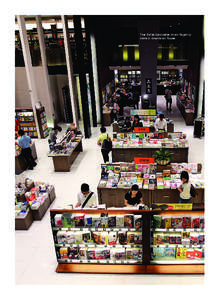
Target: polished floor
<point x="35" y="259"/>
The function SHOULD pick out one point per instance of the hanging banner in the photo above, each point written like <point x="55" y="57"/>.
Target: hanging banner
<point x="143" y="160"/>
<point x="141" y="129"/>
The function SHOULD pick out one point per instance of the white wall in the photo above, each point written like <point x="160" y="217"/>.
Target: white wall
<point x="22" y="96"/>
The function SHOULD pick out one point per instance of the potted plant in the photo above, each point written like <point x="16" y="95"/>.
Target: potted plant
<point x="163" y="156"/>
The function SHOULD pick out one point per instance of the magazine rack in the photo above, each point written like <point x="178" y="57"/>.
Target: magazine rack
<point x="132" y="255"/>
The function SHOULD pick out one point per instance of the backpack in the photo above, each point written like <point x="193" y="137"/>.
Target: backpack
<point x="193" y="192"/>
<point x="107" y="144"/>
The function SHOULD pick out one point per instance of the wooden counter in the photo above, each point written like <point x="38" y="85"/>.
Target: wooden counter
<point x="188" y="117"/>
<point x="114" y="197"/>
<point x="20" y="162"/>
<point x="63" y="162"/>
<point x="128" y="154"/>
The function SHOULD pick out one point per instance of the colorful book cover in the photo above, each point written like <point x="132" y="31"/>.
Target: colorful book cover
<point x="167" y="222"/>
<point x="97" y="237"/>
<point x="129" y="253"/>
<point x="112" y="238"/>
<point x="179" y="222"/>
<point x="82" y="253"/>
<point x="198" y="253"/>
<point x="86" y="236"/>
<point x="91" y="253"/>
<point x="63" y="252"/>
<point x="186" y="222"/>
<point x="172" y="239"/>
<point x="190" y="253"/>
<point x="104" y="238"/>
<point x="111" y="221"/>
<point x="169" y="252"/>
<point x="181" y="252"/>
<point x="159" y="252"/>
<point x="120" y="254"/>
<point x="67" y="220"/>
<point x="178" y="239"/>
<point x="104" y="220"/>
<point x="157" y="221"/>
<point x="58" y="220"/>
<point x="166" y="174"/>
<point x="88" y="221"/>
<point x="61" y="237"/>
<point x="79" y="220"/>
<point x="201" y="239"/>
<point x="195" y="222"/>
<point x="119" y="221"/>
<point x="130" y="237"/>
<point x="70" y="237"/>
<point x="129" y="221"/>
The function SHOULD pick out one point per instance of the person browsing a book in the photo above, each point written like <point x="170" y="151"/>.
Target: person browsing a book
<point x="134" y="196"/>
<point x="160" y="123"/>
<point x="53" y="134"/>
<point x="184" y="189"/>
<point x="86" y="198"/>
<point x="101" y="138"/>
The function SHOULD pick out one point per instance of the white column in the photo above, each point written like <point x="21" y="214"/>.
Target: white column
<point x="50" y="114"/>
<point x="95" y="75"/>
<point x="28" y="67"/>
<point x="69" y="64"/>
<point x="200" y="96"/>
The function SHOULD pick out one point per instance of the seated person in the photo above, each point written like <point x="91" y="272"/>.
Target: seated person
<point x="86" y="198"/>
<point x="134" y="196"/>
<point x="160" y="123"/>
<point x="127" y="124"/>
<point x="136" y="122"/>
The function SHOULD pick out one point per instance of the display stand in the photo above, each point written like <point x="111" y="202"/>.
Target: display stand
<point x="188" y="116"/>
<point x="106" y="118"/>
<point x="27" y="122"/>
<point x="75" y="257"/>
<point x="41" y="118"/>
<point x="128" y="154"/>
<point x="23" y="223"/>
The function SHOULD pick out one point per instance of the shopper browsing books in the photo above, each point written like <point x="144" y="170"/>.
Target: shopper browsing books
<point x="25" y="142"/>
<point x="101" y="138"/>
<point x="86" y="198"/>
<point x="160" y="123"/>
<point x="53" y="134"/>
<point x="184" y="189"/>
<point x="134" y="196"/>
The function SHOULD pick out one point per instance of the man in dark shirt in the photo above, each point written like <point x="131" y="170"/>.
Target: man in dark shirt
<point x="133" y="197"/>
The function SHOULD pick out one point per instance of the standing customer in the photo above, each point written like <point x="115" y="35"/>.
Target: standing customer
<point x="101" y="138"/>
<point x="168" y="96"/>
<point x="86" y="198"/>
<point x="134" y="196"/>
<point x="53" y="134"/>
<point x="25" y="142"/>
<point x="184" y="189"/>
<point x="160" y="123"/>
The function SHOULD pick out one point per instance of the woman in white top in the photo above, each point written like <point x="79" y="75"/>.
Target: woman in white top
<point x="184" y="189"/>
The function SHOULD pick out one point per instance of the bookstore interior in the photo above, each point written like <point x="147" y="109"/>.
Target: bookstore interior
<point x="117" y="187"/>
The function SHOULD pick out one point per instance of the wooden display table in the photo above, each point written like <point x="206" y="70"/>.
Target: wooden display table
<point x="23" y="223"/>
<point x="20" y="162"/>
<point x="128" y="154"/>
<point x="63" y="162"/>
<point x="188" y="116"/>
<point x="106" y="119"/>
<point x="114" y="197"/>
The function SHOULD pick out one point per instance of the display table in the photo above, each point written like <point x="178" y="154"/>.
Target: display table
<point x="128" y="154"/>
<point x="114" y="197"/>
<point x="20" y="163"/>
<point x="125" y="241"/>
<point x="63" y="162"/>
<point x="106" y="119"/>
<point x="188" y="116"/>
<point x="23" y="223"/>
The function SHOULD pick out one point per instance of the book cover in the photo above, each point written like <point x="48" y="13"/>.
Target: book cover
<point x="63" y="252"/>
<point x="104" y="238"/>
<point x="104" y="220"/>
<point x="178" y="239"/>
<point x="129" y="253"/>
<point x="195" y="222"/>
<point x="159" y="252"/>
<point x="79" y="220"/>
<point x="82" y="253"/>
<point x="157" y="221"/>
<point x="73" y="252"/>
<point x="130" y="237"/>
<point x="186" y="222"/>
<point x="58" y="220"/>
<point x="112" y="238"/>
<point x="91" y="253"/>
<point x="67" y="220"/>
<point x="86" y="236"/>
<point x="78" y="237"/>
<point x="138" y="238"/>
<point x="97" y="237"/>
<point x="120" y="254"/>
<point x="201" y="239"/>
<point x="138" y="221"/>
<point x="181" y="252"/>
<point x="167" y="222"/>
<point x="111" y="221"/>
<point x="70" y="237"/>
<point x="61" y="237"/>
<point x="129" y="221"/>
<point x="119" y="221"/>
<point x="122" y="236"/>
<point x="137" y="254"/>
<point x="190" y="253"/>
<point x="172" y="239"/>
<point x="169" y="252"/>
<point x="198" y="253"/>
<point x="88" y="221"/>
<point x="178" y="222"/>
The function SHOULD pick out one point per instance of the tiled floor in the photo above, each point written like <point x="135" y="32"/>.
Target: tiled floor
<point x="35" y="260"/>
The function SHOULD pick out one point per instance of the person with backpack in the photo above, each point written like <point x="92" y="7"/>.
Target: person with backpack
<point x="104" y="141"/>
<point x="186" y="189"/>
<point x="86" y="198"/>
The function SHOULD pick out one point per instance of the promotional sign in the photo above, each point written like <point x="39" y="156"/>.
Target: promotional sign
<point x="148" y="85"/>
<point x="143" y="160"/>
<point x="141" y="129"/>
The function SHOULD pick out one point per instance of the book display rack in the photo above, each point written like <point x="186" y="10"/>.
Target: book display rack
<point x="118" y="241"/>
